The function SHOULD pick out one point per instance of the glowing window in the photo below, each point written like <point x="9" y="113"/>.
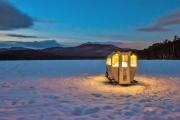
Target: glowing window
<point x="133" y="61"/>
<point x="108" y="61"/>
<point x="124" y="60"/>
<point x="115" y="60"/>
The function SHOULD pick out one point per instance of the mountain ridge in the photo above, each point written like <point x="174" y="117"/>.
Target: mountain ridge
<point x="83" y="51"/>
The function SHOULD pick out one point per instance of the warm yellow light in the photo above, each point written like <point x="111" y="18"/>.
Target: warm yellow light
<point x="133" y="61"/>
<point x="124" y="60"/>
<point x="116" y="64"/>
<point x="124" y="64"/>
<point x="133" y="56"/>
<point x="115" y="60"/>
<point x="108" y="61"/>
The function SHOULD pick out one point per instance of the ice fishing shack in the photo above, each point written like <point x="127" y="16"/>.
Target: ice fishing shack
<point x="121" y="68"/>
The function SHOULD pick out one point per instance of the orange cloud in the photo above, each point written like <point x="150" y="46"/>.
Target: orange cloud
<point x="133" y="45"/>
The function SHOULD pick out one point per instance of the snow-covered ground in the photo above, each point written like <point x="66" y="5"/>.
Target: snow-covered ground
<point x="77" y="90"/>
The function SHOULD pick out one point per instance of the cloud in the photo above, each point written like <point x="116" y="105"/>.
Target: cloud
<point x="34" y="44"/>
<point x="21" y="36"/>
<point x="163" y="22"/>
<point x="154" y="29"/>
<point x="126" y="45"/>
<point x="108" y="36"/>
<point x="133" y="45"/>
<point x="169" y="17"/>
<point x="11" y="18"/>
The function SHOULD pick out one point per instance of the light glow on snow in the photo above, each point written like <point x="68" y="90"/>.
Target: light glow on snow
<point x="60" y="90"/>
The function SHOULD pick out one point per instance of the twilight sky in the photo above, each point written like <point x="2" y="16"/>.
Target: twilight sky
<point x="125" y="23"/>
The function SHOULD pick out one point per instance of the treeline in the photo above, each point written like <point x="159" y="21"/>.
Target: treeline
<point x="163" y="50"/>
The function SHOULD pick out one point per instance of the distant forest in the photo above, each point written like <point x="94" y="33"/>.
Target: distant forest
<point x="163" y="50"/>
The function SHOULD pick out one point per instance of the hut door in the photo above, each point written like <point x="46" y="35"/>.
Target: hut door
<point x="125" y="70"/>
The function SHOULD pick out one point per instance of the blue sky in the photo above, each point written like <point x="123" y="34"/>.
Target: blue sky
<point x="125" y="23"/>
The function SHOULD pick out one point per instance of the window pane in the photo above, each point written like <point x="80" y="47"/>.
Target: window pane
<point x="115" y="60"/>
<point x="108" y="61"/>
<point x="124" y="60"/>
<point x="133" y="61"/>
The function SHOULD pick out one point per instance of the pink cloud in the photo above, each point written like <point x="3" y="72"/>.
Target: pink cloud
<point x="163" y="22"/>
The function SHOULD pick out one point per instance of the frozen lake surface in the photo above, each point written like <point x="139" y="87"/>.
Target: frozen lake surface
<point x="77" y="90"/>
